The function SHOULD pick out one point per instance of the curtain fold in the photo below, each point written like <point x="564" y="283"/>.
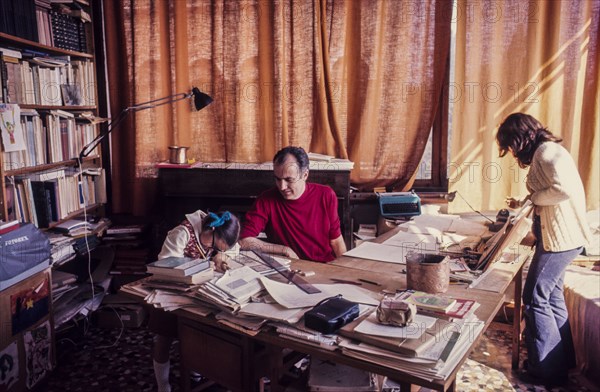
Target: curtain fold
<point x="538" y="57"/>
<point x="356" y="79"/>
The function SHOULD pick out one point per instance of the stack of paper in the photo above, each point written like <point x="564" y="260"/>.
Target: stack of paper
<point x="300" y="333"/>
<point x="436" y="362"/>
<point x="232" y="289"/>
<point x="327" y="376"/>
<point x="250" y="259"/>
<point x="412" y="340"/>
<point x="168" y="295"/>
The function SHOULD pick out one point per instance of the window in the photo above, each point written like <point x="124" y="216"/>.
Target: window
<point x="433" y="169"/>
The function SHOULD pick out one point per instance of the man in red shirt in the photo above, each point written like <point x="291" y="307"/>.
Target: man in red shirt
<point x="300" y="218"/>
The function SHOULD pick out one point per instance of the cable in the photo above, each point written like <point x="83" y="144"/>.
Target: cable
<point x="120" y="333"/>
<point x="471" y="207"/>
<point x="87" y="244"/>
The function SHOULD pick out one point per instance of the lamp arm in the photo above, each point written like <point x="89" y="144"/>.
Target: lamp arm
<point x="160" y="101"/>
<point x="87" y="150"/>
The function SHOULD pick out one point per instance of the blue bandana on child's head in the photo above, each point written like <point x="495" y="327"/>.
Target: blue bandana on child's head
<point x="217" y="220"/>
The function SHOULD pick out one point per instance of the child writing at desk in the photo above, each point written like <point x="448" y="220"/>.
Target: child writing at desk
<point x="200" y="235"/>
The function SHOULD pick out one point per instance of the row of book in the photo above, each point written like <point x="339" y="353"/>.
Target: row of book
<point x="43" y="137"/>
<point x="30" y="77"/>
<point x="69" y="32"/>
<point x="131" y="245"/>
<point x="48" y="22"/>
<point x="50" y="197"/>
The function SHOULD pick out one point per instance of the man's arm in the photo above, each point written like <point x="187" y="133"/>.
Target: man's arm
<point x="338" y="245"/>
<point x="253" y="243"/>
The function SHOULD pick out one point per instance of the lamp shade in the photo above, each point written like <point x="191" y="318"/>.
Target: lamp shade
<point x="201" y="100"/>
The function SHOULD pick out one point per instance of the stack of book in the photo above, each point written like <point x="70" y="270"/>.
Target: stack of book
<point x="130" y="261"/>
<point x="438" y="306"/>
<point x="426" y="301"/>
<point x="61" y="248"/>
<point x="181" y="270"/>
<point x="80" y="227"/>
<point x="7" y="227"/>
<point x="126" y="235"/>
<point x="62" y="282"/>
<point x="130" y="241"/>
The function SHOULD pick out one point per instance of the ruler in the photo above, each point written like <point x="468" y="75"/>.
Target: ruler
<point x="289" y="275"/>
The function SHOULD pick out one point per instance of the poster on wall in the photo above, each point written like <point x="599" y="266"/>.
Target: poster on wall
<point x="10" y="126"/>
<point x="29" y="305"/>
<point x="38" y="360"/>
<point x="9" y="366"/>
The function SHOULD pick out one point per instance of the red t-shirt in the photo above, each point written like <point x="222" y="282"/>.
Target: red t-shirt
<point x="306" y="224"/>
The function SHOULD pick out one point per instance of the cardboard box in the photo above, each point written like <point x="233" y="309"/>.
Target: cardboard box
<point x="117" y="316"/>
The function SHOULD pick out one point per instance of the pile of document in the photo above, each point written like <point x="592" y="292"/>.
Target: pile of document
<point x="232" y="289"/>
<point x="252" y="260"/>
<point x="429" y="347"/>
<point x="214" y="292"/>
<point x="425" y="234"/>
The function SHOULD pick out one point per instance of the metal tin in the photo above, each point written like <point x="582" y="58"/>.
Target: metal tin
<point x="178" y="154"/>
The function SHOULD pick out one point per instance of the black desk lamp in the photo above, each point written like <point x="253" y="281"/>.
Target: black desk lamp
<point x="201" y="100"/>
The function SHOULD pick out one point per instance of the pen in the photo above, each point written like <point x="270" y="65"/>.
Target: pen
<point x="345" y="281"/>
<point x="369" y="282"/>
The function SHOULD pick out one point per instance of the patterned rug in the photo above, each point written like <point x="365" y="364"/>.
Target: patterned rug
<point x="91" y="359"/>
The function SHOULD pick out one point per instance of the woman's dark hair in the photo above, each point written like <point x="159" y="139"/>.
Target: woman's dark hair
<point x="225" y="225"/>
<point x="522" y="134"/>
<point x="297" y="152"/>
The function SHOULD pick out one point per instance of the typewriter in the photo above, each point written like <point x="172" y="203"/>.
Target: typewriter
<point x="399" y="205"/>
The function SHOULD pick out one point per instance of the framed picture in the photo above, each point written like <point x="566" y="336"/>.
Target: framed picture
<point x="71" y="94"/>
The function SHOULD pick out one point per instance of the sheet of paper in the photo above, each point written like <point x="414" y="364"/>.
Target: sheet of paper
<point x="291" y="296"/>
<point x="413" y="330"/>
<point x="440" y="222"/>
<point x="380" y="252"/>
<point x="273" y="312"/>
<point x="240" y="283"/>
<point x="467" y="227"/>
<point x="410" y="240"/>
<point x="421" y="228"/>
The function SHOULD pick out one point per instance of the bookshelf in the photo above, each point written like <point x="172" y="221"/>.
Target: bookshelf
<point x="49" y="108"/>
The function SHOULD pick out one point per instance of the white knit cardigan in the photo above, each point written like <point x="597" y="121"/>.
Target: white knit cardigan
<point x="556" y="189"/>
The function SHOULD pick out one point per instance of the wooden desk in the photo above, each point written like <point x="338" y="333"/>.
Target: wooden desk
<point x="184" y="190"/>
<point x="230" y="357"/>
<point x="399" y="271"/>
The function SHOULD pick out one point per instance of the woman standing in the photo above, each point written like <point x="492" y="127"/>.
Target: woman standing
<point x="561" y="231"/>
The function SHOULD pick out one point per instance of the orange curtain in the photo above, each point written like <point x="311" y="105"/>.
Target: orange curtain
<point x="355" y="79"/>
<point x="538" y="57"/>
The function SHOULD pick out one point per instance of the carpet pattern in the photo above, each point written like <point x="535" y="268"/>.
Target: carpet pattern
<point x="94" y="359"/>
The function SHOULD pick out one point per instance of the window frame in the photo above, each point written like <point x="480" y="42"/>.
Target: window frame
<point x="439" y="139"/>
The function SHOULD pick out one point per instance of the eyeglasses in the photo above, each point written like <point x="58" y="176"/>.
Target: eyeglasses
<point x="213" y="249"/>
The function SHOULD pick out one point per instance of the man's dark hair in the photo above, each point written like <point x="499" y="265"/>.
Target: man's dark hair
<point x="229" y="231"/>
<point x="522" y="134"/>
<point x="297" y="152"/>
